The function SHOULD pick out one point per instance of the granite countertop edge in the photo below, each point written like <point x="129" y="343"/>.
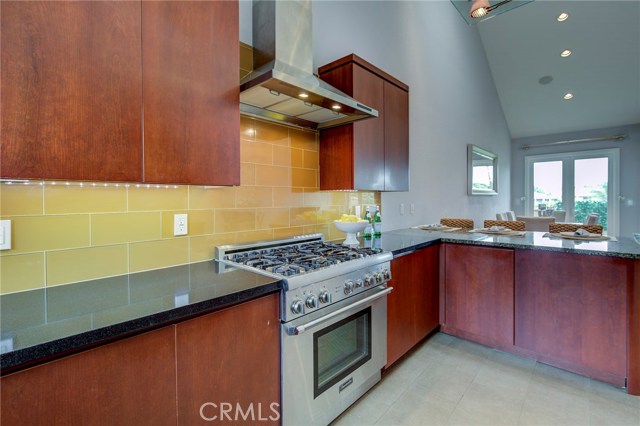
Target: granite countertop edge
<point x="407" y="240"/>
<point x="20" y="359"/>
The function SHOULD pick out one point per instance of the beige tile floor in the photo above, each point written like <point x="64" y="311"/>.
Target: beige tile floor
<point x="450" y="381"/>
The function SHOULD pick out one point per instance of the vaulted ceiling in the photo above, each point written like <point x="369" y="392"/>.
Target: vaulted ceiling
<point x="603" y="72"/>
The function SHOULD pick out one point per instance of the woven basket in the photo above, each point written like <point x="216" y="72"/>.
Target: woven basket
<point x="457" y="223"/>
<point x="555" y="228"/>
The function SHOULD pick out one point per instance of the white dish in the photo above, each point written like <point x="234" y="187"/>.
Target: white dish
<point x="351" y="229"/>
<point x="573" y="235"/>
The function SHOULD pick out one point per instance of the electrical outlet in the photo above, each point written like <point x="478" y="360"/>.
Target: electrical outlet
<point x="181" y="299"/>
<point x="5" y="234"/>
<point x="180" y="224"/>
<point x="401" y="208"/>
<point x="6" y="345"/>
<point x="412" y="208"/>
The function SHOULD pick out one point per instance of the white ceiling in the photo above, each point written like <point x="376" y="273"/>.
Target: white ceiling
<point x="603" y="73"/>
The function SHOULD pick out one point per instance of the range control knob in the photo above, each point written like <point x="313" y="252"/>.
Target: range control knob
<point x="324" y="297"/>
<point x="387" y="274"/>
<point x="348" y="287"/>
<point x="379" y="278"/>
<point x="359" y="283"/>
<point x="311" y="301"/>
<point x="368" y="280"/>
<point x="297" y="307"/>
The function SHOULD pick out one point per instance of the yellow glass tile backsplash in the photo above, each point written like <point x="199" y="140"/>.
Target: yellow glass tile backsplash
<point x="68" y="266"/>
<point x="83" y="231"/>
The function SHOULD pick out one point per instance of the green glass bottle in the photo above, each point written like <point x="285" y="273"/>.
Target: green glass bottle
<point x="377" y="223"/>
<point x="369" y="228"/>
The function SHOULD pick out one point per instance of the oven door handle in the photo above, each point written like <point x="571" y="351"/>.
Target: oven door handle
<point x="304" y="327"/>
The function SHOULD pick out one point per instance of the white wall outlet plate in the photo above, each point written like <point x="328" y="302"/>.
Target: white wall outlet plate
<point x="6" y="345"/>
<point x="5" y="234"/>
<point x="181" y="299"/>
<point x="180" y="224"/>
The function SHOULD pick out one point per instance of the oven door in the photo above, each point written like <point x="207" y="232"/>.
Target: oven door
<point x="330" y="359"/>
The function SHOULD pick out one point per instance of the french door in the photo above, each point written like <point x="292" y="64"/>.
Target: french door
<point x="578" y="183"/>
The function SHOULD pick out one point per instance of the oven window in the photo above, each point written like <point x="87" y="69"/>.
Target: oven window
<point x="340" y="349"/>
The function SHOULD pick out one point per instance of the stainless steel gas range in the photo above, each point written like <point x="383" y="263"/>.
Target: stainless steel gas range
<point x="334" y="320"/>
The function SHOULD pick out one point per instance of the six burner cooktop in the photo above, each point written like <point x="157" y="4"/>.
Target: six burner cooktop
<point x="297" y="259"/>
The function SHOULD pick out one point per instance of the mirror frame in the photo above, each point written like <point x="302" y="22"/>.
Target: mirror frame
<point x="476" y="150"/>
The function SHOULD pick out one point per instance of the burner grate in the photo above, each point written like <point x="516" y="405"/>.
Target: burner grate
<point x="297" y="259"/>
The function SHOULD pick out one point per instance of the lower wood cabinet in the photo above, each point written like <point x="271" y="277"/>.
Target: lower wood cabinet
<point x="206" y="370"/>
<point x="130" y="382"/>
<point x="412" y="306"/>
<point x="478" y="294"/>
<point x="230" y="359"/>
<point x="571" y="310"/>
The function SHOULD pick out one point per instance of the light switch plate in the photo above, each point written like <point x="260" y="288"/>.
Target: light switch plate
<point x="180" y="224"/>
<point x="5" y="234"/>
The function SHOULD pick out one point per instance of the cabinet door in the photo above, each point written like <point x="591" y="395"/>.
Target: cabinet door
<point x="396" y="138"/>
<point x="479" y="294"/>
<point x="352" y="156"/>
<point x="71" y="90"/>
<point x="191" y="92"/>
<point x="573" y="308"/>
<point x="230" y="357"/>
<point x="130" y="382"/>
<point x="369" y="134"/>
<point x="412" y="307"/>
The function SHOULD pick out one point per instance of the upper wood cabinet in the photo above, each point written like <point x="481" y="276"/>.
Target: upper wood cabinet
<point x="371" y="154"/>
<point x="71" y="90"/>
<point x="92" y="90"/>
<point x="191" y="92"/>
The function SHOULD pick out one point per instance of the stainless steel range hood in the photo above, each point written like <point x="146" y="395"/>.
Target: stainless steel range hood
<point x="282" y="86"/>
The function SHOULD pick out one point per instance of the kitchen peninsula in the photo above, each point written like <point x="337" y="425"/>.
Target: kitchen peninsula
<point x="569" y="304"/>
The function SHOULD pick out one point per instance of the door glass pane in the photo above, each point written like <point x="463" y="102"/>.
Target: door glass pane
<point x="591" y="182"/>
<point x="547" y="187"/>
<point x="340" y="349"/>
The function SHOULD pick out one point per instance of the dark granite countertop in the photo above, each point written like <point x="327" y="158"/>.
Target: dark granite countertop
<point x="42" y="324"/>
<point x="45" y="323"/>
<point x="406" y="240"/>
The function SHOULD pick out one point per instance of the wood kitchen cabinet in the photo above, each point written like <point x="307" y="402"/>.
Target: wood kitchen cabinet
<point x="230" y="356"/>
<point x="71" y="90"/>
<point x="412" y="306"/>
<point x="478" y="293"/>
<point x="371" y="154"/>
<point x="129" y="382"/>
<point x="572" y="310"/>
<point x="191" y="92"/>
<point x="92" y="90"/>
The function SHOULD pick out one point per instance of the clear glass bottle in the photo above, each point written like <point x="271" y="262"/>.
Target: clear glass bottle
<point x="377" y="223"/>
<point x="368" y="230"/>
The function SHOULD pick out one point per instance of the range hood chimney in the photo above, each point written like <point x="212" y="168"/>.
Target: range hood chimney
<point x="282" y="86"/>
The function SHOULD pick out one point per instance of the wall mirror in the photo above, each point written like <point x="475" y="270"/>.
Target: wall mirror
<point x="482" y="171"/>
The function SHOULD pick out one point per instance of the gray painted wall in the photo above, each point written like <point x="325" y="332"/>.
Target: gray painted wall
<point x="629" y="167"/>
<point x="453" y="100"/>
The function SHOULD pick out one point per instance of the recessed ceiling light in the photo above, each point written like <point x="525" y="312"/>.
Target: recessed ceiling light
<point x="565" y="53"/>
<point x="336" y="107"/>
<point x="546" y="79"/>
<point x="568" y="96"/>
<point x="303" y="95"/>
<point x="562" y="17"/>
